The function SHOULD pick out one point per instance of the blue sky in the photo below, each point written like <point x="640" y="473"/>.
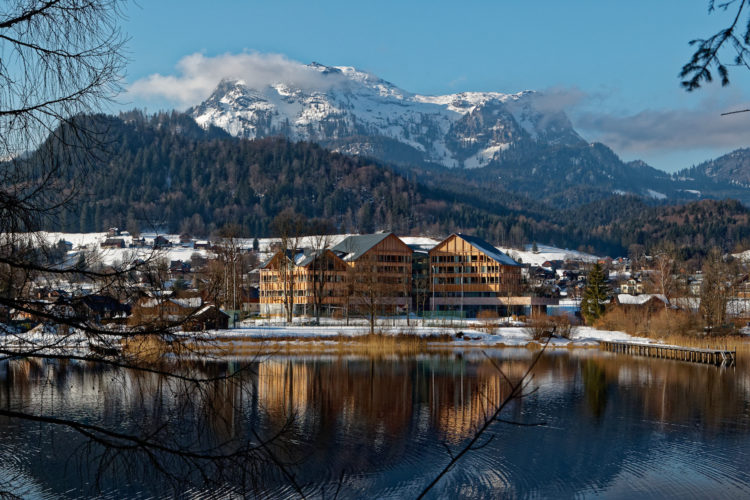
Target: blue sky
<point x="615" y="63"/>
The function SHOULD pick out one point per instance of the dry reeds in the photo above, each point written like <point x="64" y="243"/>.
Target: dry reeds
<point x="371" y="344"/>
<point x="672" y="327"/>
<point x="654" y="323"/>
<point x="151" y="349"/>
<point x="382" y="344"/>
<point x="726" y="342"/>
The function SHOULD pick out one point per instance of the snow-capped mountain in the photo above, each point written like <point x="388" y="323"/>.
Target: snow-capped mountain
<point x="356" y="112"/>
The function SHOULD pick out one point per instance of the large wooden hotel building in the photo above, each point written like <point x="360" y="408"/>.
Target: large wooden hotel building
<point x="463" y="275"/>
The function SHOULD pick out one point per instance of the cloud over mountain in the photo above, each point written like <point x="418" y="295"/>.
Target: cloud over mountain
<point x="197" y="76"/>
<point x="647" y="134"/>
<point x="658" y="130"/>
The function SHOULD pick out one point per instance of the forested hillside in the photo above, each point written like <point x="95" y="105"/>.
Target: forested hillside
<point x="165" y="172"/>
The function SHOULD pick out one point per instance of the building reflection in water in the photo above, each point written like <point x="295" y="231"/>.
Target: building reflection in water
<point x="384" y="416"/>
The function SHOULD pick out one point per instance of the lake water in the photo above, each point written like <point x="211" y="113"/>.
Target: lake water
<point x="610" y="426"/>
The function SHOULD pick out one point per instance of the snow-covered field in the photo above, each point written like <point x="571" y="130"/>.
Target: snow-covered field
<point x="545" y="253"/>
<point x="92" y="241"/>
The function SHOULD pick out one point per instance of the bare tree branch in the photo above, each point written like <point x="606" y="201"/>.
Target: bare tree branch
<point x="516" y="392"/>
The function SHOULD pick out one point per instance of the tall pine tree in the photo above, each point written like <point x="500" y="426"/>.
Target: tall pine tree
<point x="595" y="295"/>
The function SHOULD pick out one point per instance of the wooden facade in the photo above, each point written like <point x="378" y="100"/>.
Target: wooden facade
<point x="468" y="275"/>
<point x="325" y="270"/>
<point x="380" y="277"/>
<point x="357" y="271"/>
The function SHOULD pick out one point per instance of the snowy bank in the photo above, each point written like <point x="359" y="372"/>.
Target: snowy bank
<point x="458" y="336"/>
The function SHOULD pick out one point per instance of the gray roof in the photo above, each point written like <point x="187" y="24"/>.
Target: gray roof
<point x="488" y="249"/>
<point x="353" y="247"/>
<point x="307" y="256"/>
<point x="289" y="256"/>
<point x="301" y="258"/>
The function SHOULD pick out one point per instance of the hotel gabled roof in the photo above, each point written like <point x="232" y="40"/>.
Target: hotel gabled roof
<point x="488" y="249"/>
<point x="354" y="247"/>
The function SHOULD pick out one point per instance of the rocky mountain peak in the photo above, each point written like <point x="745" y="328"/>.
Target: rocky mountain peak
<point x="359" y="113"/>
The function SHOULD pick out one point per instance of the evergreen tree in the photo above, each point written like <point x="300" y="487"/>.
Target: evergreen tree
<point x="595" y="295"/>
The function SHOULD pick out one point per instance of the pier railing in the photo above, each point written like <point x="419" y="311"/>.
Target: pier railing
<point x="717" y="357"/>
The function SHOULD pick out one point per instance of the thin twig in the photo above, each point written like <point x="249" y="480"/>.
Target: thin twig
<point x="515" y="393"/>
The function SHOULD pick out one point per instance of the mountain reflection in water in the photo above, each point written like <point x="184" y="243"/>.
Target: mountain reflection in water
<point x="614" y="426"/>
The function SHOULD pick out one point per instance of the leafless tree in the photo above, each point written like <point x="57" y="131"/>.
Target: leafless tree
<point x="231" y="262"/>
<point x="368" y="288"/>
<point x="289" y="228"/>
<point x="662" y="275"/>
<point x="373" y="291"/>
<point x="322" y="266"/>
<point x="719" y="276"/>
<point x="421" y="286"/>
<point x="61" y="61"/>
<point x="636" y="253"/>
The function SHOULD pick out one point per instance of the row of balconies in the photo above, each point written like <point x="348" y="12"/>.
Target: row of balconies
<point x="466" y="269"/>
<point x="451" y="257"/>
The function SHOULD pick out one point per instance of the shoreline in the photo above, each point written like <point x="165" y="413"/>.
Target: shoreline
<point x="387" y="340"/>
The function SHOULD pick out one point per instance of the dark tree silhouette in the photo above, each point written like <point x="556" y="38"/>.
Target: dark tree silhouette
<point x="709" y="54"/>
<point x="595" y="295"/>
<point x="60" y="59"/>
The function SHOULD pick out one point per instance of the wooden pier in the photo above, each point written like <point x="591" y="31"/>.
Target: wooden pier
<point x="717" y="357"/>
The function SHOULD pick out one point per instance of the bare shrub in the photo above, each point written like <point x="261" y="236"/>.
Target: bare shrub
<point x="631" y="321"/>
<point x="540" y="327"/>
<point x="651" y="323"/>
<point x="562" y="326"/>
<point x="489" y="320"/>
<point x="670" y="322"/>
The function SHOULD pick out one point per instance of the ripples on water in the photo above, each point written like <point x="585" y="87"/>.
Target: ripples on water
<point x="614" y="427"/>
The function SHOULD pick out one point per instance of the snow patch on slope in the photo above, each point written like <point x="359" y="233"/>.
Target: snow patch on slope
<point x="467" y="128"/>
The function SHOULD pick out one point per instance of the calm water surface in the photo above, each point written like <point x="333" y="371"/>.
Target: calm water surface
<point x="614" y="427"/>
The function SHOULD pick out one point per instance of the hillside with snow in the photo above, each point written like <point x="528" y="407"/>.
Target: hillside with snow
<point x="94" y="242"/>
<point x="546" y="253"/>
<point x="520" y="142"/>
<point x="355" y="112"/>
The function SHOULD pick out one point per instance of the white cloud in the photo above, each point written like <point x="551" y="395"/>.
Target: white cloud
<point x="664" y="130"/>
<point x="555" y="99"/>
<point x="197" y="76"/>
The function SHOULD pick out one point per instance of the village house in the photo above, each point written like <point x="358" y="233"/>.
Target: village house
<point x="632" y="286"/>
<point x="113" y="243"/>
<point x="162" y="311"/>
<point x="102" y="308"/>
<point x="649" y="302"/>
<point x="178" y="267"/>
<point x="162" y="242"/>
<point x="208" y="317"/>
